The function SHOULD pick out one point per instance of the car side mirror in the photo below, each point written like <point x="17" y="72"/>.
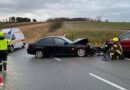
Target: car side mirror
<point x="66" y="43"/>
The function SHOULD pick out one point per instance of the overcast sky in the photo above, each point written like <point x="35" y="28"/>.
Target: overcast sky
<point x="113" y="10"/>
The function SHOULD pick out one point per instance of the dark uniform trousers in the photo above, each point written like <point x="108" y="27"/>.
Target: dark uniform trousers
<point x="3" y="59"/>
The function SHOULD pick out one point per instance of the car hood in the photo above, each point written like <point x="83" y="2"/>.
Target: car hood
<point x="82" y="41"/>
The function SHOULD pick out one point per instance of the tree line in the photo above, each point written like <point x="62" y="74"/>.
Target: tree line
<point x="98" y="19"/>
<point x="19" y="19"/>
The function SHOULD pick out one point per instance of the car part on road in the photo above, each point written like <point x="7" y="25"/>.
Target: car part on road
<point x="39" y="54"/>
<point x="81" y="52"/>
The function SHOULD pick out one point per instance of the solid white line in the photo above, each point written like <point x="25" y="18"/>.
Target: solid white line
<point x="108" y="82"/>
<point x="58" y="59"/>
<point x="128" y="59"/>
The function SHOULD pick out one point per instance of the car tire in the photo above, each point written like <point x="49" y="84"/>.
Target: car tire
<point x="23" y="46"/>
<point x="39" y="54"/>
<point x="81" y="52"/>
<point x="11" y="49"/>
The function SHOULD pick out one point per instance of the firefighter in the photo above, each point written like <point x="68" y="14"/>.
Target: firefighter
<point x="116" y="51"/>
<point x="3" y="52"/>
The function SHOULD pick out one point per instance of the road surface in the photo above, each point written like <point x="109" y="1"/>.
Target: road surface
<point x="65" y="73"/>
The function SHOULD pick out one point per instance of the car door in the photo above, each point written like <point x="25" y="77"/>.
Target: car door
<point x="46" y="45"/>
<point x="62" y="47"/>
<point x="125" y="41"/>
<point x="18" y="42"/>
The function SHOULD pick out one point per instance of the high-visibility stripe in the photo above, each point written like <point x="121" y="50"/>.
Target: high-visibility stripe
<point x="1" y="63"/>
<point x="115" y="46"/>
<point x="5" y="61"/>
<point x="112" y="48"/>
<point x="120" y="47"/>
<point x="12" y="42"/>
<point x="119" y="52"/>
<point x="117" y="57"/>
<point x="111" y="53"/>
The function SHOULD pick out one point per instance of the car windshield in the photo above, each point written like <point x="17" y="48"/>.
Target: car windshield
<point x="7" y="36"/>
<point x="125" y="36"/>
<point x="66" y="39"/>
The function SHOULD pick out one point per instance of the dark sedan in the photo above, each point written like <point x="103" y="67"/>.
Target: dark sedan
<point x="58" y="45"/>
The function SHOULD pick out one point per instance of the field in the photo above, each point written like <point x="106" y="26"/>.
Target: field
<point x="96" y="32"/>
<point x="103" y="25"/>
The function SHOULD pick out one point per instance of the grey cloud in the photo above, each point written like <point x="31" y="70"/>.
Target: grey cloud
<point x="43" y="9"/>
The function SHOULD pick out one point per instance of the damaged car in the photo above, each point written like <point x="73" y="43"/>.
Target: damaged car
<point x="124" y="40"/>
<point x="59" y="45"/>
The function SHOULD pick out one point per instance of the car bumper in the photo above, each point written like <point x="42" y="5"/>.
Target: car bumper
<point x="29" y="51"/>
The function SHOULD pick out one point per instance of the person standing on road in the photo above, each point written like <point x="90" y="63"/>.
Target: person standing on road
<point x="3" y="52"/>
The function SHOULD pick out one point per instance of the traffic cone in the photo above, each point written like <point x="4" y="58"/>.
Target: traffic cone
<point x="1" y="82"/>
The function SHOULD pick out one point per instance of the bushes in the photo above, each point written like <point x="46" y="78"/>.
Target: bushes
<point x="55" y="24"/>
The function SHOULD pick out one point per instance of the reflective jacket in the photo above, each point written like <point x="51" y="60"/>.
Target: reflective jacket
<point x="117" y="48"/>
<point x="3" y="43"/>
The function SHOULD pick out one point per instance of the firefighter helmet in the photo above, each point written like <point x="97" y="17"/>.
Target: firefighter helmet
<point x="115" y="39"/>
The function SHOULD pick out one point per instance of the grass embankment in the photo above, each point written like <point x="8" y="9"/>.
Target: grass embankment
<point x="107" y="25"/>
<point x="96" y="37"/>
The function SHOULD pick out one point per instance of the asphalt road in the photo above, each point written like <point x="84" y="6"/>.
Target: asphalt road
<point x="65" y="73"/>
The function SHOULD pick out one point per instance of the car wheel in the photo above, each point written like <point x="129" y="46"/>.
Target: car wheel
<point x="11" y="48"/>
<point x="81" y="52"/>
<point x="23" y="46"/>
<point x="39" y="54"/>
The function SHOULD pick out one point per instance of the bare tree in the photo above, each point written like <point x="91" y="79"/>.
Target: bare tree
<point x="106" y="20"/>
<point x="98" y="18"/>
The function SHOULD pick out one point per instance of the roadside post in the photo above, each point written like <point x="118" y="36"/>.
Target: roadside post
<point x="1" y="81"/>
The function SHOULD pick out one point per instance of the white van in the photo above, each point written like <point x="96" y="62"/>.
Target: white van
<point x="15" y="37"/>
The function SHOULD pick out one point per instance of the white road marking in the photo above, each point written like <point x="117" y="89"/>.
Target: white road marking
<point x="128" y="59"/>
<point x="108" y="82"/>
<point x="57" y="59"/>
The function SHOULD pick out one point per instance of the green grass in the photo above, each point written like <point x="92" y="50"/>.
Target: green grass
<point x="108" y="25"/>
<point x="96" y="37"/>
<point x="11" y="25"/>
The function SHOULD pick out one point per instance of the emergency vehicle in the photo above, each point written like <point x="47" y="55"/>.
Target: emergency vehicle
<point x="15" y="38"/>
